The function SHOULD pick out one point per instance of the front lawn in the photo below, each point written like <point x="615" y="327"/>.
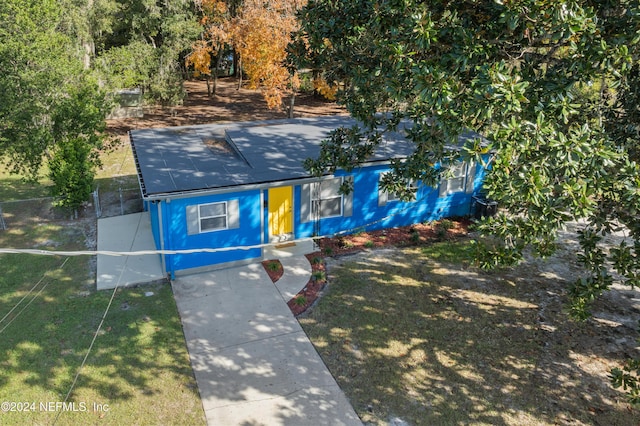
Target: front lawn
<point x="138" y="371"/>
<point x="417" y="334"/>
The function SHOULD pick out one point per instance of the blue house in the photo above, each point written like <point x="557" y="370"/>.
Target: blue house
<point x="232" y="188"/>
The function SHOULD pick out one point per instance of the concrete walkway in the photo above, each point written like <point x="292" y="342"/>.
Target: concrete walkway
<point x="296" y="267"/>
<point x="253" y="362"/>
<point x="131" y="232"/>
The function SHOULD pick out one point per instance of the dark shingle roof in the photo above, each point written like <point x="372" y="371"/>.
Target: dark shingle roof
<point x="213" y="156"/>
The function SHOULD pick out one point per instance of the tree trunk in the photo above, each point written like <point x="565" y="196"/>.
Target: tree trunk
<point x="236" y="61"/>
<point x="216" y="70"/>
<point x="89" y="48"/>
<point x="292" y="101"/>
<point x="239" y="71"/>
<point x="88" y="45"/>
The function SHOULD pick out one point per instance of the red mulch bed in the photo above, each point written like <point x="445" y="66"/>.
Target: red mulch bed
<point x="420" y="233"/>
<point x="309" y="293"/>
<point x="398" y="237"/>
<point x="274" y="269"/>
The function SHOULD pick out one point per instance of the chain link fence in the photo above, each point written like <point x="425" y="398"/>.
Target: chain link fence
<point x="33" y="211"/>
<point x="117" y="202"/>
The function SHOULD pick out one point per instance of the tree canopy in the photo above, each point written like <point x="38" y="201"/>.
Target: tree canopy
<point x="552" y="84"/>
<point x="60" y="59"/>
<point x="259" y="32"/>
<point x="48" y="101"/>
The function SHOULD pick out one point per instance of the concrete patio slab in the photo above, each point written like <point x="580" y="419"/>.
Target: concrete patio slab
<point x="253" y="362"/>
<point x="126" y="233"/>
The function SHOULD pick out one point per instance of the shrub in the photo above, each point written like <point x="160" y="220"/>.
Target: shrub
<point x="318" y="276"/>
<point x="274" y="266"/>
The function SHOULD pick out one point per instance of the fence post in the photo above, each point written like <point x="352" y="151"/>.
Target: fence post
<point x="121" y="202"/>
<point x="96" y="202"/>
<point x="3" y="225"/>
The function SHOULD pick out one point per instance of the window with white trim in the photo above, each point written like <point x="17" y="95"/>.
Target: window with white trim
<point x="460" y="178"/>
<point x="212" y="217"/>
<point x="323" y="200"/>
<point x="385" y="197"/>
<point x="392" y="196"/>
<point x="326" y="199"/>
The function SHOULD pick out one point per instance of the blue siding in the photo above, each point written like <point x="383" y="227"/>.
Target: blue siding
<point x="368" y="215"/>
<point x="155" y="222"/>
<point x="177" y="238"/>
<point x="253" y="229"/>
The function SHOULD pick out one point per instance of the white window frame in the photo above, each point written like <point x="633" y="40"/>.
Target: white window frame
<point x="386" y="197"/>
<point x="457" y="181"/>
<point x="463" y="176"/>
<point x="316" y="199"/>
<point x="393" y="197"/>
<point x="225" y="215"/>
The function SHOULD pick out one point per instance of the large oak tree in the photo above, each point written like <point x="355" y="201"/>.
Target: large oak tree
<point x="552" y="84"/>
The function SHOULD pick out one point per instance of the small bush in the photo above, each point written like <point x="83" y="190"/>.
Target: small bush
<point x="274" y="266"/>
<point x="446" y="224"/>
<point x="442" y="229"/>
<point x="319" y="276"/>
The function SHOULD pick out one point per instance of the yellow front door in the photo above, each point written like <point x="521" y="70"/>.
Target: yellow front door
<point x="280" y="211"/>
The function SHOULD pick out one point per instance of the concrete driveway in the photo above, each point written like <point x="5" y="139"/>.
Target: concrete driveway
<point x="253" y="362"/>
<point x="131" y="232"/>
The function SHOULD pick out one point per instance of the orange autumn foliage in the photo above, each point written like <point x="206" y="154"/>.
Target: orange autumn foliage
<point x="261" y="35"/>
<point x="259" y="32"/>
<point x="217" y="27"/>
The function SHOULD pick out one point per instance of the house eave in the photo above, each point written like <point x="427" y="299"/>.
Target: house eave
<point x="247" y="187"/>
<point x="141" y="185"/>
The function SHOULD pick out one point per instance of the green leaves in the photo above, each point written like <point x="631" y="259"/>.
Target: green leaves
<point x="628" y="378"/>
<point x="344" y="150"/>
<point x="50" y="107"/>
<point x="71" y="172"/>
<point x="553" y="85"/>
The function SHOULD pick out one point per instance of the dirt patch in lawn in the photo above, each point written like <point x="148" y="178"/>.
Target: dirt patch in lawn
<point x="420" y="335"/>
<point x="228" y="105"/>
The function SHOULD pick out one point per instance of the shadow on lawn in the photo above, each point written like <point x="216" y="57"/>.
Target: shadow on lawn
<point x="435" y="343"/>
<point x="138" y="365"/>
<point x="52" y="334"/>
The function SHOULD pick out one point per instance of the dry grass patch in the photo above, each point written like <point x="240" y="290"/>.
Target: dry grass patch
<point x="420" y="335"/>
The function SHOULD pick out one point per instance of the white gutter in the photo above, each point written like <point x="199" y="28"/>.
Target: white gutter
<point x="161" y="226"/>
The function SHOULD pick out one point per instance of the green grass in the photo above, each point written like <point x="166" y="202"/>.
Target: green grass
<point x="138" y="371"/>
<point x="13" y="188"/>
<point x="138" y="367"/>
<point x="118" y="169"/>
<point x="417" y="334"/>
<point x="462" y="254"/>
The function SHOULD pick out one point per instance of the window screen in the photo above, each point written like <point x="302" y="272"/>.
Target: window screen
<point x="212" y="216"/>
<point x="326" y="200"/>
